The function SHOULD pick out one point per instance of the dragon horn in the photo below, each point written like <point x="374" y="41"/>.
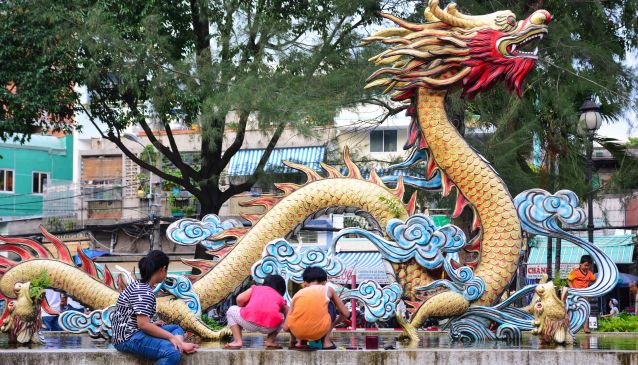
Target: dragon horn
<point x="450" y="16"/>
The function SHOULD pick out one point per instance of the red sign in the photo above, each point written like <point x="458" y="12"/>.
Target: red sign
<point x="537" y="271"/>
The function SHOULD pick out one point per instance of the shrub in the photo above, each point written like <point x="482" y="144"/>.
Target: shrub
<point x="623" y="323"/>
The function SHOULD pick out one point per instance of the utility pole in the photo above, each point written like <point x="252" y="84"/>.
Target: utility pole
<point x="154" y="215"/>
<point x="154" y="236"/>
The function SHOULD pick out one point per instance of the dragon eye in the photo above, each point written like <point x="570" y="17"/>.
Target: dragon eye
<point x="511" y="21"/>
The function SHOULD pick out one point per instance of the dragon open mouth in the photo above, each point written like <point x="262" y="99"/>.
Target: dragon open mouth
<point x="525" y="45"/>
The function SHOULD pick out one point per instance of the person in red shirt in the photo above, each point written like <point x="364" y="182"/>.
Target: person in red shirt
<point x="581" y="277"/>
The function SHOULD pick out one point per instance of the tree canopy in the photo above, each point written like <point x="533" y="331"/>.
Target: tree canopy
<point x="292" y="64"/>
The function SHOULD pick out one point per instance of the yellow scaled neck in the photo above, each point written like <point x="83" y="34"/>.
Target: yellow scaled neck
<point x="481" y="187"/>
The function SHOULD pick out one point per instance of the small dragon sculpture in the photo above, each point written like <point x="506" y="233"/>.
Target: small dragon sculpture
<point x="550" y="315"/>
<point x="23" y="322"/>
<point x="425" y="62"/>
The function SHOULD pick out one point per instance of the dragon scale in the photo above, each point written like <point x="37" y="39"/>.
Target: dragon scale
<point x="481" y="187"/>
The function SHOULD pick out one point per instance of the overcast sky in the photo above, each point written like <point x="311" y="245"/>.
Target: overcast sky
<point x="627" y="125"/>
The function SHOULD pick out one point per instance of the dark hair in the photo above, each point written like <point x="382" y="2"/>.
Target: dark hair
<point x="151" y="263"/>
<point x="314" y="274"/>
<point x="276" y="282"/>
<point x="585" y="258"/>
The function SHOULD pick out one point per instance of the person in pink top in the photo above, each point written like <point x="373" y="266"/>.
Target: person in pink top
<point x="262" y="308"/>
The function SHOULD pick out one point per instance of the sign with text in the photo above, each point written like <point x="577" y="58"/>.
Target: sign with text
<point x="537" y="271"/>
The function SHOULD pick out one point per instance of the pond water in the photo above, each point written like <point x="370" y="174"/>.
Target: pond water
<point x="349" y="341"/>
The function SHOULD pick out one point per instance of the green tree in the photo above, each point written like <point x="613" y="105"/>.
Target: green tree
<point x="291" y="64"/>
<point x="632" y="142"/>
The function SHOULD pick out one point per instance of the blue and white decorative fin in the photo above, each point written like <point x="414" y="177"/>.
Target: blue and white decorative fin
<point x="380" y="304"/>
<point x="97" y="323"/>
<point x="416" y="156"/>
<point x="181" y="288"/>
<point x="188" y="231"/>
<point x="280" y="258"/>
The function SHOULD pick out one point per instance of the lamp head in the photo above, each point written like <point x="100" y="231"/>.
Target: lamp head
<point x="590" y="118"/>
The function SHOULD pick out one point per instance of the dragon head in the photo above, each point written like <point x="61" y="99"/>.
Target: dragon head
<point x="456" y="50"/>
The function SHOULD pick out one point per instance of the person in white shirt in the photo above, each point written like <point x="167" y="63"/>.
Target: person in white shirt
<point x="50" y="321"/>
<point x="613" y="311"/>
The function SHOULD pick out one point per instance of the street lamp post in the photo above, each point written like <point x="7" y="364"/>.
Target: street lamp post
<point x="590" y="121"/>
<point x="155" y="233"/>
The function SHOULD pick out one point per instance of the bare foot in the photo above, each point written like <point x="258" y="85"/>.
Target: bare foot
<point x="189" y="348"/>
<point x="235" y="344"/>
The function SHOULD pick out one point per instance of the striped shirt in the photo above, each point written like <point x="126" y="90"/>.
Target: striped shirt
<point x="136" y="299"/>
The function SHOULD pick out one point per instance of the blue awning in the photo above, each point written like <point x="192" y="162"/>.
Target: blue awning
<point x="245" y="162"/>
<point x="361" y="260"/>
<point x="366" y="265"/>
<point x="619" y="248"/>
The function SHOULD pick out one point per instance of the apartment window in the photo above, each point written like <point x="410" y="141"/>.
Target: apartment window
<point x="39" y="182"/>
<point x="383" y="141"/>
<point x="309" y="238"/>
<point x="6" y="181"/>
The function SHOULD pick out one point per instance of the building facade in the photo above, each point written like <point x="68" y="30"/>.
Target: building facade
<point x="27" y="172"/>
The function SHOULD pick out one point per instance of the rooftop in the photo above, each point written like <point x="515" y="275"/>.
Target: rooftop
<point x="40" y="142"/>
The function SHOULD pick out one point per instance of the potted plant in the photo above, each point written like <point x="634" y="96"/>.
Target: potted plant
<point x="143" y="190"/>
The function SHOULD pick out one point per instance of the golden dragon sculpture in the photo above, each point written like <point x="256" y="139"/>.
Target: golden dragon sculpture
<point x="425" y="62"/>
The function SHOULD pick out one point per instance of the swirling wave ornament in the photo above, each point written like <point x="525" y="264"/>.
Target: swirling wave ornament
<point x="475" y="324"/>
<point x="463" y="282"/>
<point x="432" y="247"/>
<point x="280" y="258"/>
<point x="417" y="156"/>
<point x="470" y="330"/>
<point x="181" y="288"/>
<point x="380" y="304"/>
<point x="540" y="213"/>
<point x="97" y="323"/>
<point x="578" y="310"/>
<point x="417" y="238"/>
<point x="190" y="231"/>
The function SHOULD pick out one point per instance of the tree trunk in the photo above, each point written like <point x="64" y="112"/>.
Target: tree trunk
<point x="210" y="204"/>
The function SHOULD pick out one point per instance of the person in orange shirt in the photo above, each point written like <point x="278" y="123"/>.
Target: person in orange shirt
<point x="309" y="318"/>
<point x="581" y="277"/>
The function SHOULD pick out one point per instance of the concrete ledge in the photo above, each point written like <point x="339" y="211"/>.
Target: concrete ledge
<point x="287" y="357"/>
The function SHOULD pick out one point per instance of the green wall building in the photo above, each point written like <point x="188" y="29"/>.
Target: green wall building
<point x="26" y="169"/>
